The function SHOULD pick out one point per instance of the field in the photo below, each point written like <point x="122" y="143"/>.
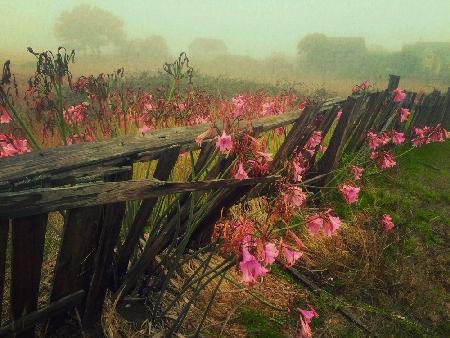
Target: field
<point x="343" y="231"/>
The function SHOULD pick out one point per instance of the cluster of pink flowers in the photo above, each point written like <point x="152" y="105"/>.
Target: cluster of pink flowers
<point x="324" y="222"/>
<point x="427" y="135"/>
<point x="385" y="158"/>
<point x="11" y="146"/>
<point x="75" y="114"/>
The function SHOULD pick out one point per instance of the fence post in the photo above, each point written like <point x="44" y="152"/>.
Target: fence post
<point x="110" y="224"/>
<point x="4" y="231"/>
<point x="28" y="237"/>
<point x="394" y="81"/>
<point x="163" y="169"/>
<point x="333" y="153"/>
<point x="76" y="255"/>
<point x="446" y="116"/>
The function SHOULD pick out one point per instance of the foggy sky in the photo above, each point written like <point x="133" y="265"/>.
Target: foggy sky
<point x="253" y="27"/>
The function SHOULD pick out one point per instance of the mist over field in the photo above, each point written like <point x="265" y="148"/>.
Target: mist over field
<point x="262" y="40"/>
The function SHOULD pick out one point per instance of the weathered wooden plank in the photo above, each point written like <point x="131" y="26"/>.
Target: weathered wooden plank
<point x="31" y="319"/>
<point x="72" y="157"/>
<point x="28" y="236"/>
<point x="163" y="169"/>
<point x="110" y="224"/>
<point x="74" y="265"/>
<point x="53" y="199"/>
<point x="4" y="231"/>
<point x="333" y="153"/>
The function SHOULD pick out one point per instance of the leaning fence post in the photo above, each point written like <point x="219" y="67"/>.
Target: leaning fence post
<point x="166" y="162"/>
<point x="111" y="224"/>
<point x="28" y="236"/>
<point x="333" y="153"/>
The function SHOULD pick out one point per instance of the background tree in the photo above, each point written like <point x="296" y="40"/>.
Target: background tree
<point x="89" y="28"/>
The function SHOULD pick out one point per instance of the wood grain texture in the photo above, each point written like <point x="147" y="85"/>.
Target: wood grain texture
<point x="51" y="199"/>
<point x="28" y="236"/>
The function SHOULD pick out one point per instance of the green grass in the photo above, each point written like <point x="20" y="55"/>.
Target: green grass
<point x="406" y="294"/>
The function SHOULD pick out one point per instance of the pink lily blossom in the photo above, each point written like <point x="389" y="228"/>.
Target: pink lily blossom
<point x="241" y="174"/>
<point x="404" y="114"/>
<point x="357" y="172"/>
<point x="270" y="253"/>
<point x="251" y="269"/>
<point x="305" y="320"/>
<point x="399" y="95"/>
<point x="398" y="137"/>
<point x="349" y="192"/>
<point x="386" y="220"/>
<point x="224" y="143"/>
<point x="386" y="160"/>
<point x="290" y="256"/>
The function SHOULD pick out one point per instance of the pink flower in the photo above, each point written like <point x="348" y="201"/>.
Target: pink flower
<point x="294" y="197"/>
<point x="338" y="115"/>
<point x="144" y="130"/>
<point x="75" y="114"/>
<point x="386" y="160"/>
<point x="386" y="220"/>
<point x="325" y="222"/>
<point x="399" y="95"/>
<point x="404" y="114"/>
<point x="397" y="137"/>
<point x="357" y="172"/>
<point x="290" y="256"/>
<point x="314" y="224"/>
<point x="238" y="105"/>
<point x="349" y="192"/>
<point x="314" y="140"/>
<point x="332" y="224"/>
<point x="207" y="133"/>
<point x="241" y="174"/>
<point x="305" y="320"/>
<point x="10" y="146"/>
<point x="270" y="253"/>
<point x="298" y="170"/>
<point x="224" y="143"/>
<point x="4" y="116"/>
<point x="251" y="269"/>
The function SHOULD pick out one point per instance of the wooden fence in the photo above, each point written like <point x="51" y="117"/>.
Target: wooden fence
<point x="90" y="183"/>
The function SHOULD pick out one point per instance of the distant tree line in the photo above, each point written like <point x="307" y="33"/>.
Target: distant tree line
<point x="93" y="31"/>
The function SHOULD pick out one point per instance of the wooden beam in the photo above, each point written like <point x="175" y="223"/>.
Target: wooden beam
<point x="43" y="200"/>
<point x="42" y="164"/>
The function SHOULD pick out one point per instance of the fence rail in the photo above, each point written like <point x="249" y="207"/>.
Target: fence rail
<point x="90" y="183"/>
